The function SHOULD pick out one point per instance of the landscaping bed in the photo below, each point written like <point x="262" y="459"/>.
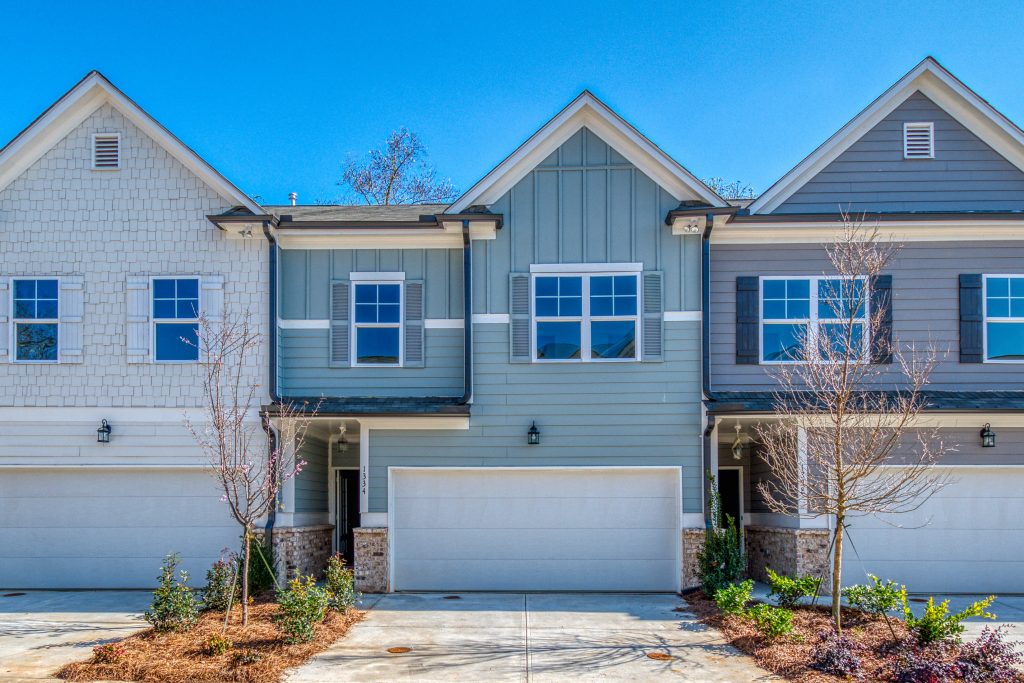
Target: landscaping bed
<point x="259" y="653"/>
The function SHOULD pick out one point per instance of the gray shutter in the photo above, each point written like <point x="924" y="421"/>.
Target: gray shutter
<point x="971" y="319"/>
<point x="519" y="318"/>
<point x="748" y="350"/>
<point x="5" y="319"/>
<point x="138" y="318"/>
<point x="653" y="333"/>
<point x="414" y="349"/>
<point x="70" y="307"/>
<point x="881" y="312"/>
<point x="339" y="333"/>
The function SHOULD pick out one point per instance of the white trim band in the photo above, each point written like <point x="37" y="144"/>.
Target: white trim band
<point x="586" y="268"/>
<point x="681" y="316"/>
<point x="443" y="323"/>
<point x="484" y="318"/>
<point x="304" y="324"/>
<point x="376" y="277"/>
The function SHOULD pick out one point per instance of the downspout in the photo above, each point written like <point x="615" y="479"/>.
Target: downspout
<point x="467" y="306"/>
<point x="268" y="530"/>
<point x="705" y="357"/>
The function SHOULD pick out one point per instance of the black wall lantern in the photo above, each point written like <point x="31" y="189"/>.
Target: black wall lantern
<point x="533" y="435"/>
<point x="103" y="433"/>
<point x="988" y="437"/>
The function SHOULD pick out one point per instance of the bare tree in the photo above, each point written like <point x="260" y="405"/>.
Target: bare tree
<point x="726" y="189"/>
<point x="840" y="446"/>
<point x="397" y="173"/>
<point x="232" y="434"/>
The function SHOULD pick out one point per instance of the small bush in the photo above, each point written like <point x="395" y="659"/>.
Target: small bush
<point x="772" y="622"/>
<point x="878" y="597"/>
<point x="733" y="599"/>
<point x="261" y="557"/>
<point x="937" y="624"/>
<point x="246" y="656"/>
<point x="341" y="584"/>
<point x="174" y="606"/>
<point x="109" y="653"/>
<point x="789" y="589"/>
<point x="720" y="561"/>
<point x="912" y="664"/>
<point x="219" y="579"/>
<point x="990" y="658"/>
<point x="217" y="644"/>
<point x="302" y="606"/>
<point x="836" y="655"/>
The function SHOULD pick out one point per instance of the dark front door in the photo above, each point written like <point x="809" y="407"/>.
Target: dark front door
<point x="729" y="494"/>
<point x="346" y="503"/>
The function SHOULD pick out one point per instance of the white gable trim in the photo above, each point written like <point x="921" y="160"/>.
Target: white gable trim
<point x="586" y="111"/>
<point x="76" y="106"/>
<point x="935" y="82"/>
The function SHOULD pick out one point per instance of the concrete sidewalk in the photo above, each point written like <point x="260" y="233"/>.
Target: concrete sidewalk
<point x="529" y="637"/>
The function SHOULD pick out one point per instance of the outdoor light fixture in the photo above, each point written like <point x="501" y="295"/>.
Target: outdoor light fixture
<point x="988" y="437"/>
<point x="103" y="433"/>
<point x="533" y="435"/>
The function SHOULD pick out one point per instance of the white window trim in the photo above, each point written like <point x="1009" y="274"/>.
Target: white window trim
<point x="931" y="138"/>
<point x="813" y="321"/>
<point x="585" y="273"/>
<point x="13" y="332"/>
<point x="586" y="268"/>
<point x="354" y="326"/>
<point x="182" y="321"/>
<point x="985" y="320"/>
<point x="381" y="278"/>
<point x="92" y="152"/>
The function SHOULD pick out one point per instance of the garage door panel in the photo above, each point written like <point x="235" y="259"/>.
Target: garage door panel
<point x="539" y="575"/>
<point x="99" y="542"/>
<point x="949" y="576"/>
<point x="935" y="545"/>
<point x="104" y="483"/>
<point x="547" y="544"/>
<point x="103" y="512"/>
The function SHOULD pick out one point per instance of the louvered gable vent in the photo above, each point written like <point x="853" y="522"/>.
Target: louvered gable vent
<point x="106" y="151"/>
<point x="918" y="140"/>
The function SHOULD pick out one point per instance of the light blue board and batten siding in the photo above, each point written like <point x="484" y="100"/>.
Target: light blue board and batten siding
<point x="304" y="288"/>
<point x="872" y="175"/>
<point x="311" y="482"/>
<point x="584" y="204"/>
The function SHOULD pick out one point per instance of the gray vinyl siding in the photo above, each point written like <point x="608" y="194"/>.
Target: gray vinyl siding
<point x="311" y="482"/>
<point x="925" y="305"/>
<point x="964" y="447"/>
<point x="872" y="175"/>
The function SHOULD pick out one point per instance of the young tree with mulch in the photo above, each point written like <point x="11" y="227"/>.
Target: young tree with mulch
<point x="233" y="435"/>
<point x="397" y="173"/>
<point x="837" y="434"/>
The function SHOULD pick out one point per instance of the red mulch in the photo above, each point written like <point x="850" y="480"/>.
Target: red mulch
<point x="180" y="657"/>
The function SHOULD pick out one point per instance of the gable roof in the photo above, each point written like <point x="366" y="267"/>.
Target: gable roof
<point x="938" y="84"/>
<point x="587" y="111"/>
<point x="75" y="106"/>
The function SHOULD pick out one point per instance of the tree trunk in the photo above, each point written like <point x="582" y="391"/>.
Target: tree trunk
<point x="245" y="579"/>
<point x="837" y="576"/>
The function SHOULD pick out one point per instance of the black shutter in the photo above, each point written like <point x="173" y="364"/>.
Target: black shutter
<point x="881" y="313"/>
<point x="747" y="346"/>
<point x="971" y="319"/>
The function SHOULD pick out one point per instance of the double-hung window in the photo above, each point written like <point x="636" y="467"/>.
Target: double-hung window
<point x="377" y="323"/>
<point x="1004" y="318"/>
<point x="36" y="320"/>
<point x="585" y="316"/>
<point x="798" y="313"/>
<point x="176" y="319"/>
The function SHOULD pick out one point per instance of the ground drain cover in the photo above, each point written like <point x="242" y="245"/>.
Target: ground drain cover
<point x="453" y="597"/>
<point x="660" y="656"/>
<point x="12" y="595"/>
<point x="399" y="650"/>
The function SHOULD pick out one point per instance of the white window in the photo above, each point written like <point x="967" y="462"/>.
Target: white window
<point x="106" y="151"/>
<point x="586" y="316"/>
<point x="1004" y="318"/>
<point x="175" y="319"/>
<point x="377" y="316"/>
<point x="797" y="312"/>
<point x="36" y="320"/>
<point x="919" y="140"/>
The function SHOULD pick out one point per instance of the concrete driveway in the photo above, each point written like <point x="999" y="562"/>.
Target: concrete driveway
<point x="40" y="631"/>
<point x="529" y="637"/>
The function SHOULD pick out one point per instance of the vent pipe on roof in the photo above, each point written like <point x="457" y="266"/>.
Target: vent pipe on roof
<point x="292" y="197"/>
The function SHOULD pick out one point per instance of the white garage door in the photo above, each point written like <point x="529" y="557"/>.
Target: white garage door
<point x="536" y="529"/>
<point x="107" y="528"/>
<point x="970" y="538"/>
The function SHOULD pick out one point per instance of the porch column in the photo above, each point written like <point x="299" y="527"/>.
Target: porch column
<point x="364" y="468"/>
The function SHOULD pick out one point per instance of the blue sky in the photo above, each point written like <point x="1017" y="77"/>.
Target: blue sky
<point x="276" y="96"/>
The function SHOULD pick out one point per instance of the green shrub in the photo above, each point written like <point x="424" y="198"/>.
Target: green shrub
<point x="720" y="561"/>
<point x="109" y="653"/>
<point x="341" y="584"/>
<point x="878" y="597"/>
<point x="733" y="599"/>
<point x="302" y="606"/>
<point x="246" y="656"/>
<point x="222" y="584"/>
<point x="174" y="606"/>
<point x="789" y="589"/>
<point x="936" y="623"/>
<point x="217" y="644"/>
<point x="261" y="558"/>
<point x="772" y="622"/>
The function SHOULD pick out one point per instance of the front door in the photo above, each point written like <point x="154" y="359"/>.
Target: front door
<point x="346" y="505"/>
<point x="730" y="495"/>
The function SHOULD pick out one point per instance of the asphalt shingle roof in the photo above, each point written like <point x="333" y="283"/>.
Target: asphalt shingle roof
<point x="991" y="401"/>
<point x="355" y="212"/>
<point x="374" y="405"/>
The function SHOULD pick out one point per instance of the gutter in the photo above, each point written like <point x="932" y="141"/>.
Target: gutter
<point x="705" y="358"/>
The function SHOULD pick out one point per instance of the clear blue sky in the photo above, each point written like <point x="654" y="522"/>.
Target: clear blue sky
<point x="276" y="95"/>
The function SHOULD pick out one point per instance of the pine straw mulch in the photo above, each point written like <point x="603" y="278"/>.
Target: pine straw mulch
<point x="791" y="657"/>
<point x="179" y="657"/>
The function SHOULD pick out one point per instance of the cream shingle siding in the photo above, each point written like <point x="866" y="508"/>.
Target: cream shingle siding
<point x="149" y="218"/>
